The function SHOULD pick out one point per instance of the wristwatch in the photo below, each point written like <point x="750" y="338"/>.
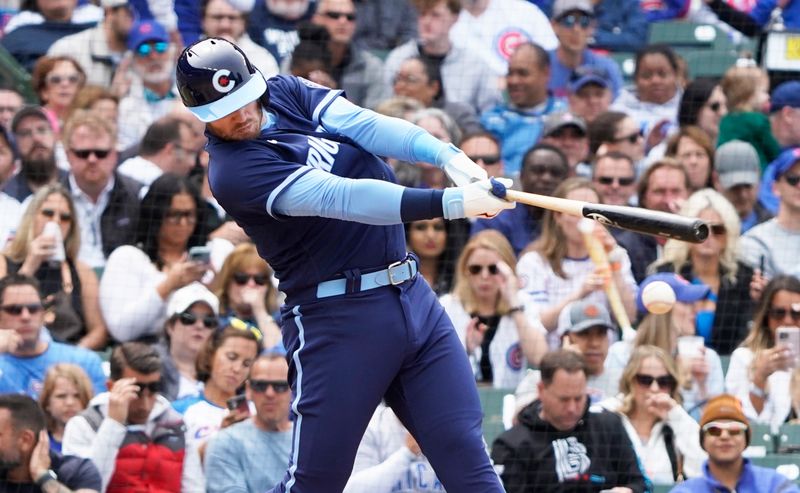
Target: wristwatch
<point x="48" y="475"/>
<point x="758" y="391"/>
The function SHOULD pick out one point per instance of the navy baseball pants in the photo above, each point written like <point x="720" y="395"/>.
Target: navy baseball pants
<point x="347" y="352"/>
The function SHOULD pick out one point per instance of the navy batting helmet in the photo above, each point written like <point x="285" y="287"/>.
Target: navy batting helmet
<point x="215" y="78"/>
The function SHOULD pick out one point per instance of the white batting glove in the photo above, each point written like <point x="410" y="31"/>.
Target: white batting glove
<point x="463" y="170"/>
<point x="475" y="200"/>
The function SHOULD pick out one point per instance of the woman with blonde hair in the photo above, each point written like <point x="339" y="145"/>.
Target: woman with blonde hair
<point x="245" y="291"/>
<point x="500" y="337"/>
<point x="50" y="254"/>
<point x="666" y="439"/>
<point x="556" y="269"/>
<point x="723" y="319"/>
<point x="66" y="391"/>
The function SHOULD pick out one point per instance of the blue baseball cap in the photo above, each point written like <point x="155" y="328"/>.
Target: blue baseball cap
<point x="685" y="292"/>
<point x="144" y="31"/>
<point x="587" y="74"/>
<point x="786" y="94"/>
<point x="784" y="161"/>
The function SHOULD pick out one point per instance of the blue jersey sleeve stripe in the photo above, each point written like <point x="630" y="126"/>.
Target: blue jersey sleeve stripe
<point x="327" y="100"/>
<point x="280" y="188"/>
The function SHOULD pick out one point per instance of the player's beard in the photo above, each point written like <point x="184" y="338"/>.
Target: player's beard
<point x="247" y="131"/>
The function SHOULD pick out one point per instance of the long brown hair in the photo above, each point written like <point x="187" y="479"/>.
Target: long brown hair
<point x="638" y="356"/>
<point x="242" y="257"/>
<point x="760" y="336"/>
<point x="551" y="243"/>
<point x="489" y="239"/>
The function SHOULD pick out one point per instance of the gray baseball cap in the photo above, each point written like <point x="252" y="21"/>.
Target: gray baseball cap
<point x="737" y="163"/>
<point x="582" y="315"/>
<point x="561" y="7"/>
<point x="560" y="119"/>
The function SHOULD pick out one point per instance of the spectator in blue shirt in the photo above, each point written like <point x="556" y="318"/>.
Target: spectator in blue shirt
<point x="574" y="24"/>
<point x="724" y="434"/>
<point x="621" y="25"/>
<point x="25" y="352"/>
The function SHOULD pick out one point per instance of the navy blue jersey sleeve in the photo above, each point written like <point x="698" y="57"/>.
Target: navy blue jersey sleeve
<point x="303" y="96"/>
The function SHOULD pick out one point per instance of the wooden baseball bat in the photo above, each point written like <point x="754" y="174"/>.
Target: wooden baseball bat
<point x="619" y="216"/>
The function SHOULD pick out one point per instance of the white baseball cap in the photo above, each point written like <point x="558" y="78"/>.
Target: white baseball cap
<point x="187" y="296"/>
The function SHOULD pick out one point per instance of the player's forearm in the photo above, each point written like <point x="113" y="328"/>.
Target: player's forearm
<point x="384" y="135"/>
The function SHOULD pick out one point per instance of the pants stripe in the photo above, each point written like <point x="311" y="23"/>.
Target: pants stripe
<point x="299" y="387"/>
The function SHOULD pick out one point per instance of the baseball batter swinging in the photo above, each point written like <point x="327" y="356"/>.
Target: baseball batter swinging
<point x="296" y="165"/>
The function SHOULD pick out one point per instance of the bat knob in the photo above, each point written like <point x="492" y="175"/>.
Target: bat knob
<point x="498" y="189"/>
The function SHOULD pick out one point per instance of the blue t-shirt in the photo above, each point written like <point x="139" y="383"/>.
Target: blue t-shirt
<point x="25" y="375"/>
<point x="518" y="226"/>
<point x="279" y="36"/>
<point x="561" y="74"/>
<point x="247" y="177"/>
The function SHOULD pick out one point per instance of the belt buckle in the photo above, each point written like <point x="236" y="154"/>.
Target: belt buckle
<point x="392" y="280"/>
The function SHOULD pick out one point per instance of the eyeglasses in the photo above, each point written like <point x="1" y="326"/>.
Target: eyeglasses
<point x="407" y="79"/>
<point x="779" y="313"/>
<point x="734" y="428"/>
<point x="152" y="387"/>
<point x="476" y="269"/>
<point x="145" y="49"/>
<point x="792" y="180"/>
<point x="572" y="20"/>
<point x="715" y="106"/>
<point x="718" y="229"/>
<point x="189" y="318"/>
<point x="224" y="17"/>
<point x="338" y="15"/>
<point x="632" y="138"/>
<point x="242" y="278"/>
<point x="85" y="153"/>
<point x="64" y="217"/>
<point x="487" y="160"/>
<point x="55" y="79"/>
<point x="16" y="310"/>
<point x="240" y="324"/>
<point x="665" y="382"/>
<point x="624" y="181"/>
<point x="542" y="169"/>
<point x="26" y="133"/>
<point x="261" y="386"/>
<point x="174" y="216"/>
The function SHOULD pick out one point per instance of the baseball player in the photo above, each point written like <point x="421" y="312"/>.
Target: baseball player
<point x="296" y="165"/>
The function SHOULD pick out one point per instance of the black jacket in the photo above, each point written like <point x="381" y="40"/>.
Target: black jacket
<point x="596" y="455"/>
<point x="118" y="222"/>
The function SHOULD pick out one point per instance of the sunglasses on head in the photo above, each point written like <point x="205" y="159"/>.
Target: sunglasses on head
<point x="338" y="15"/>
<point x="261" y="386"/>
<point x="718" y="229"/>
<point x="664" y="382"/>
<point x="85" y="153"/>
<point x="572" y="20"/>
<point x="734" y="428"/>
<point x="487" y="160"/>
<point x="624" y="181"/>
<point x="779" y="313"/>
<point x="15" y="309"/>
<point x="476" y="269"/>
<point x="152" y="387"/>
<point x="145" y="49"/>
<point x="792" y="180"/>
<point x="64" y="217"/>
<point x="242" y="278"/>
<point x="189" y="318"/>
<point x="58" y="79"/>
<point x="632" y="138"/>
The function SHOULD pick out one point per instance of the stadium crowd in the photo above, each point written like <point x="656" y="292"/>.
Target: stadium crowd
<point x="140" y="344"/>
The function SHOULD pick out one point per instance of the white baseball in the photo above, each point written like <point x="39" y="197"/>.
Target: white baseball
<point x="658" y="297"/>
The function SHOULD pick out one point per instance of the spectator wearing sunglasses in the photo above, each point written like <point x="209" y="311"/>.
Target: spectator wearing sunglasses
<point x="57" y="81"/>
<point x="69" y="285"/>
<point x="500" y="337"/>
<point x="131" y="433"/>
<point x="107" y="203"/>
<point x="723" y="318"/>
<point x="26" y="352"/>
<point x="703" y="104"/>
<point x="574" y="24"/>
<point x="251" y="456"/>
<point x="223" y="366"/>
<point x="614" y="131"/>
<point x="663" y="434"/>
<point x="614" y="177"/>
<point x="192" y="318"/>
<point x="760" y="369"/>
<point x="152" y="81"/>
<point x="772" y="245"/>
<point x="738" y="176"/>
<point x="724" y="434"/>
<point x="246" y="291"/>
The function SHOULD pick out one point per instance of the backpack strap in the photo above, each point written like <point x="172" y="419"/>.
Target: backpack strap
<point x="674" y="460"/>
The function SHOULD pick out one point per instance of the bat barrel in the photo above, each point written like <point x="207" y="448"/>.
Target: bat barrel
<point x="650" y="222"/>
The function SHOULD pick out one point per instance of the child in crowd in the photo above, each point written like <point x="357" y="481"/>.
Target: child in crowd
<point x="747" y="92"/>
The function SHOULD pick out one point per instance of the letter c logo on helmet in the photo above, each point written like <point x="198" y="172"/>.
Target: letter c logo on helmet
<point x="215" y="78"/>
<point x="222" y="81"/>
